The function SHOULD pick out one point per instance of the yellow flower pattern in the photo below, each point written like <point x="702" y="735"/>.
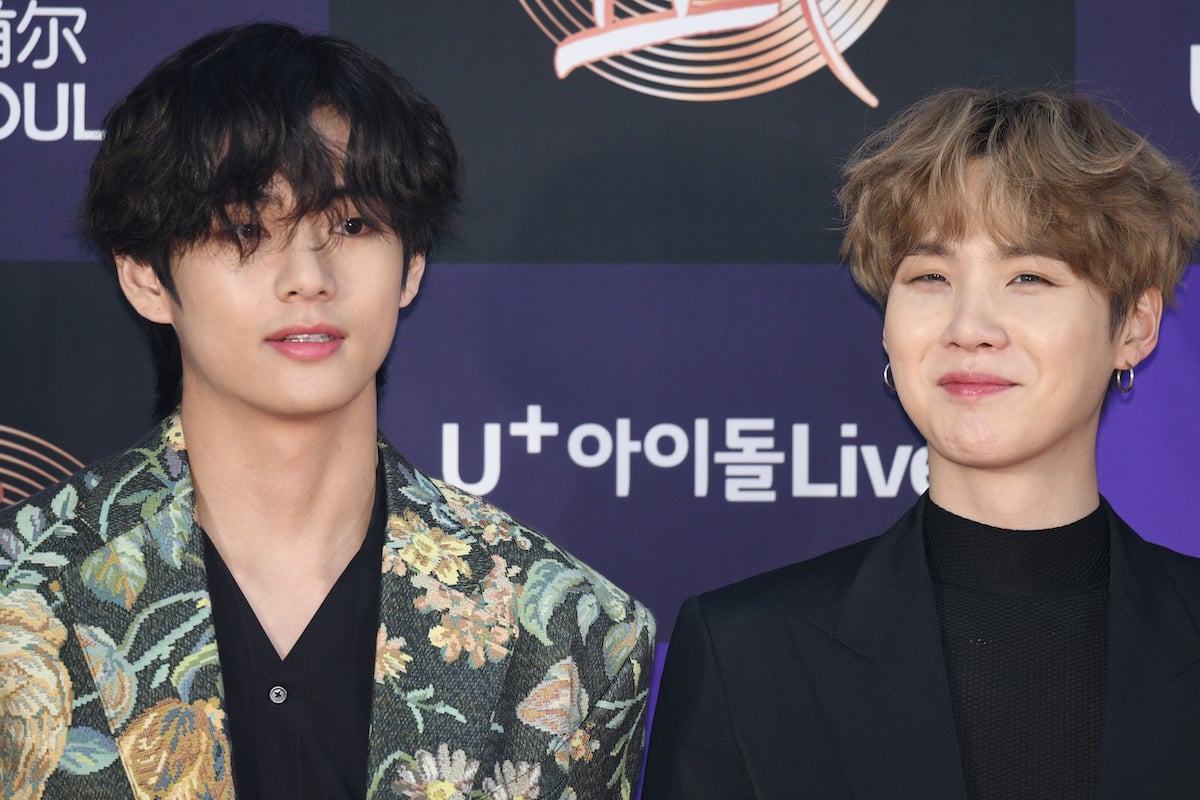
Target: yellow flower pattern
<point x="475" y="609"/>
<point x="390" y="658"/>
<point x="35" y="693"/>
<point x="177" y="751"/>
<point x="428" y="550"/>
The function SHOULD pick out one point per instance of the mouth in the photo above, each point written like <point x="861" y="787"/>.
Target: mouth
<point x="306" y="337"/>
<point x="312" y="333"/>
<point x="973" y="384"/>
<point x="307" y="342"/>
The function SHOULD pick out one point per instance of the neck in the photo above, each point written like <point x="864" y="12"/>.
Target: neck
<point x="264" y="483"/>
<point x="1018" y="498"/>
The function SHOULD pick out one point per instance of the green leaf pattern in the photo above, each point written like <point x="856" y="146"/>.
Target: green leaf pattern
<point x="547" y="584"/>
<point x="116" y="573"/>
<point x="113" y="552"/>
<point x="87" y="751"/>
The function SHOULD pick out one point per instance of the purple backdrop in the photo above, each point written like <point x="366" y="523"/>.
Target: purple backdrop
<point x="100" y="51"/>
<point x="653" y="278"/>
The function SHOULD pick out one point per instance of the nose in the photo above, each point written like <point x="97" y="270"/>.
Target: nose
<point x="306" y="271"/>
<point x="975" y="322"/>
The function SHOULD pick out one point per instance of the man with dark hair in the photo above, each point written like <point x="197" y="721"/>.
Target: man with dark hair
<point x="263" y="595"/>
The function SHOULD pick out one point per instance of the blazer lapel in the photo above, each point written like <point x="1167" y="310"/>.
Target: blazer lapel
<point x="879" y="676"/>
<point x="436" y="681"/>
<point x="142" y="618"/>
<point x="1152" y="694"/>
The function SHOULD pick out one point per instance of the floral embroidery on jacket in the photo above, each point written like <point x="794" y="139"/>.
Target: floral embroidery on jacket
<point x="504" y="668"/>
<point x="35" y="693"/>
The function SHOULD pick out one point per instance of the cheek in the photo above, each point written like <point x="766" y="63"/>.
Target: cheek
<point x="898" y="337"/>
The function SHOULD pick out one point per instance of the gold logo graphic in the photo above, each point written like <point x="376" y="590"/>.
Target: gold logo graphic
<point x="706" y="50"/>
<point x="29" y="464"/>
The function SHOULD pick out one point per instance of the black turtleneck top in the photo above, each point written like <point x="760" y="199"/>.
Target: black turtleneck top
<point x="1024" y="635"/>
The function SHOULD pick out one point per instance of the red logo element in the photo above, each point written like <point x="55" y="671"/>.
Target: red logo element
<point x="29" y="464"/>
<point x="706" y="50"/>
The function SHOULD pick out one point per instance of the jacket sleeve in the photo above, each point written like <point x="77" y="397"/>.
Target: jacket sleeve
<point x="616" y="728"/>
<point x="694" y="753"/>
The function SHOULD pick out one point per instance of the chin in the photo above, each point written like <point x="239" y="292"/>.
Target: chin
<point x="308" y="407"/>
<point x="977" y="452"/>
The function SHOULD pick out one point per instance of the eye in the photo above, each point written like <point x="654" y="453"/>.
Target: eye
<point x="1030" y="278"/>
<point x="352" y="226"/>
<point x="930" y="277"/>
<point x="248" y="233"/>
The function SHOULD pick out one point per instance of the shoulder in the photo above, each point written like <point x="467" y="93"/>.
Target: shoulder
<point x="555" y="598"/>
<point x="50" y="529"/>
<point x="1146" y="561"/>
<point x="815" y="587"/>
<point x="575" y="649"/>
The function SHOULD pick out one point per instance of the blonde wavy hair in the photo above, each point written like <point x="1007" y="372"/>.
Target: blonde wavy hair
<point x="1060" y="177"/>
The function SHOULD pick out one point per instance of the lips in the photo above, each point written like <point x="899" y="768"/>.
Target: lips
<point x="307" y="342"/>
<point x="973" y="384"/>
<point x="308" y="337"/>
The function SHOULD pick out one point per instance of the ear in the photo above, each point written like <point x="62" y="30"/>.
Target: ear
<point x="143" y="290"/>
<point x="412" y="281"/>
<point x="1139" y="335"/>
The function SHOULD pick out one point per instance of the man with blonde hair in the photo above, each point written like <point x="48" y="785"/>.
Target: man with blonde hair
<point x="1010" y="636"/>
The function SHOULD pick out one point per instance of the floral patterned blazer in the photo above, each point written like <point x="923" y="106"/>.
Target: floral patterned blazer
<point x="504" y="667"/>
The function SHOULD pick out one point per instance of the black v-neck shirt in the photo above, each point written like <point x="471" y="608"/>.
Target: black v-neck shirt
<point x="299" y="726"/>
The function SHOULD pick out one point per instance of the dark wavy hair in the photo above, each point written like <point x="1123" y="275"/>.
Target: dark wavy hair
<point x="193" y="149"/>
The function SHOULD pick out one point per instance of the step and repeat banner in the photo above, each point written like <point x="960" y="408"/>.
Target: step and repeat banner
<point x="640" y="340"/>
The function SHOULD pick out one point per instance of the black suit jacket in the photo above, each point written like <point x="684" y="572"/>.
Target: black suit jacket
<point x="825" y="679"/>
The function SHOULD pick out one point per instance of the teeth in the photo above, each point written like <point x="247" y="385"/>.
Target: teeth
<point x="308" y="337"/>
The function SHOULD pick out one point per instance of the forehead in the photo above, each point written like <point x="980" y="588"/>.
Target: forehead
<point x="279" y="196"/>
<point x="981" y="201"/>
<point x="333" y="127"/>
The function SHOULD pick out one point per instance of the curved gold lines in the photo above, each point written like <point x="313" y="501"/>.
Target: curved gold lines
<point x="32" y="469"/>
<point x="848" y="32"/>
<point x="785" y="21"/>
<point x="719" y="66"/>
<point x="707" y="97"/>
<point x="743" y="59"/>
<point x="538" y="21"/>
<point x="751" y="67"/>
<point x="43" y="443"/>
<point x="29" y="466"/>
<point x="785" y="67"/>
<point x="10" y="486"/>
<point x="66" y="471"/>
<point x="746" y="70"/>
<point x="744" y="47"/>
<point x="581" y="16"/>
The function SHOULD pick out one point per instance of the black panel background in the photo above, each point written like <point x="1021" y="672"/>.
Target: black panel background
<point x="583" y="170"/>
<point x="76" y="367"/>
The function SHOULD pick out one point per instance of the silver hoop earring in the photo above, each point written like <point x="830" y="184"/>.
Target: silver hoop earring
<point x="1126" y="386"/>
<point x="887" y="377"/>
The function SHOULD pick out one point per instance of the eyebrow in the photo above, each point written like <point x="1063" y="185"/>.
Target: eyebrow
<point x="1005" y="251"/>
<point x="1018" y="251"/>
<point x="927" y="248"/>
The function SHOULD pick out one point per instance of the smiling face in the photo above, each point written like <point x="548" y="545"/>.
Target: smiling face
<point x="300" y="326"/>
<point x="1002" y="357"/>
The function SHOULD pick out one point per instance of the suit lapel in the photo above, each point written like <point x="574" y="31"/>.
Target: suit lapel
<point x="879" y="676"/>
<point x="142" y="618"/>
<point x="435" y="684"/>
<point x="1152" y="692"/>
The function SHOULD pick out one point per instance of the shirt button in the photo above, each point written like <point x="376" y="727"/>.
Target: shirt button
<point x="277" y="694"/>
